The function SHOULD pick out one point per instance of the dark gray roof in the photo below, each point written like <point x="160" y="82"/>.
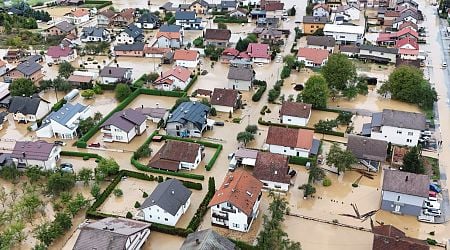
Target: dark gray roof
<point x="377" y="119"/>
<point x="64" y="114"/>
<point x="366" y="129"/>
<point x="32" y="150"/>
<point x="2" y="117"/>
<point x="170" y="28"/>
<point x="133" y="31"/>
<point x="130" y="47"/>
<point x="228" y="4"/>
<point x="32" y="59"/>
<point x="24" y="104"/>
<point x="108" y="234"/>
<point x="201" y="2"/>
<point x="115" y="72"/>
<point x="240" y="73"/>
<point x="190" y="112"/>
<point x="168" y="6"/>
<point x="126" y="119"/>
<point x="366" y="148"/>
<point x="349" y="48"/>
<point x="314" y="19"/>
<point x="321" y="41"/>
<point x="207" y="239"/>
<point x="379" y="49"/>
<point x="169" y="195"/>
<point x="406" y="183"/>
<point x="185" y="15"/>
<point x="315" y="147"/>
<point x="401" y="119"/>
<point x="28" y="68"/>
<point x="92" y="31"/>
<point x="148" y="18"/>
<point x="65" y="26"/>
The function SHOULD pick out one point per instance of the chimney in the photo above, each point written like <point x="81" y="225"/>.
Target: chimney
<point x="406" y="179"/>
<point x="304" y="107"/>
<point x="197" y="241"/>
<point x="173" y="192"/>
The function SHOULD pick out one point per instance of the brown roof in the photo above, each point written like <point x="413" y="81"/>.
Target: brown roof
<point x="272" y="6"/>
<point x="78" y="78"/>
<point x="406" y="183"/>
<point x="172" y="153"/>
<point x="290" y="137"/>
<point x="388" y="230"/>
<point x="217" y="34"/>
<point x="296" y="109"/>
<point x="187" y="55"/>
<point x="168" y="35"/>
<point x="224" y="97"/>
<point x="388" y="237"/>
<point x="107" y="13"/>
<point x="239" y="188"/>
<point x="29" y="150"/>
<point x="155" y="50"/>
<point x="79" y="12"/>
<point x="203" y="92"/>
<point x="181" y="73"/>
<point x="391" y="13"/>
<point x="272" y="167"/>
<point x="127" y="14"/>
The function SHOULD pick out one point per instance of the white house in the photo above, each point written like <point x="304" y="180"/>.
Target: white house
<point x="295" y="113"/>
<point x="28" y="109"/>
<point x="235" y="204"/>
<point x="225" y="100"/>
<point x="378" y="53"/>
<point x="408" y="48"/>
<point x="259" y="52"/>
<point x="186" y="58"/>
<point x="77" y="16"/>
<point x="123" y="126"/>
<point x="350" y="12"/>
<point x="167" y="203"/>
<point x="312" y="57"/>
<point x="273" y="171"/>
<point x="169" y="40"/>
<point x="121" y="233"/>
<point x="290" y="141"/>
<point x="111" y="75"/>
<point x="397" y="127"/>
<point x="36" y="153"/>
<point x="188" y="20"/>
<point x="345" y="34"/>
<point x="321" y="10"/>
<point x="60" y="53"/>
<point x="64" y="122"/>
<point x="148" y="21"/>
<point x="240" y="77"/>
<point x="130" y="35"/>
<point x="93" y="34"/>
<point x="321" y="42"/>
<point x="175" y="78"/>
<point x="177" y="155"/>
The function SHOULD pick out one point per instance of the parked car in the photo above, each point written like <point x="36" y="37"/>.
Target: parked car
<point x="431" y="205"/>
<point x="66" y="167"/>
<point x="94" y="145"/>
<point x="444" y="64"/>
<point x="426" y="218"/>
<point x="219" y="124"/>
<point x="292" y="173"/>
<point x="432" y="212"/>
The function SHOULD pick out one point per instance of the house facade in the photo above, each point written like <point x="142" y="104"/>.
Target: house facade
<point x="28" y="69"/>
<point x="177" y="155"/>
<point x="36" y="153"/>
<point x="295" y="113"/>
<point x="217" y="37"/>
<point x="104" y="18"/>
<point x="378" y="54"/>
<point x="188" y="20"/>
<point x="369" y="152"/>
<point x="225" y="100"/>
<point x="148" y="21"/>
<point x="311" y="57"/>
<point x="321" y="10"/>
<point x="93" y="34"/>
<point x="235" y="205"/>
<point x="189" y="119"/>
<point x="240" y="77"/>
<point x="289" y="141"/>
<point x="345" y="34"/>
<point x="169" y="40"/>
<point x="313" y="23"/>
<point x="123" y="126"/>
<point x="61" y="29"/>
<point x="176" y="78"/>
<point x="28" y="109"/>
<point x="321" y="42"/>
<point x="130" y="35"/>
<point x="186" y="58"/>
<point x="112" y="75"/>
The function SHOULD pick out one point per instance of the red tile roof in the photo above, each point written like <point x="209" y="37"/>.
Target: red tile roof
<point x="59" y="51"/>
<point x="272" y="167"/>
<point x="312" y="54"/>
<point x="408" y="24"/>
<point x="78" y="78"/>
<point x="186" y="55"/>
<point x="258" y="50"/>
<point x="290" y="137"/>
<point x="296" y="109"/>
<point x="387" y="237"/>
<point x="391" y="13"/>
<point x="407" y="30"/>
<point x="321" y="5"/>
<point x="168" y="35"/>
<point x="230" y="52"/>
<point x="272" y="6"/>
<point x="239" y="188"/>
<point x="405" y="41"/>
<point x="178" y="72"/>
<point x="79" y="12"/>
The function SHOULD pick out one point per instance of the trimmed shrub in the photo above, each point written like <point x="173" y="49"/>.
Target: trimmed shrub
<point x="85" y="158"/>
<point x="129" y="215"/>
<point x="137" y="204"/>
<point x="144" y="195"/>
<point x="326" y="182"/>
<point x="299" y="160"/>
<point x="258" y="94"/>
<point x="213" y="160"/>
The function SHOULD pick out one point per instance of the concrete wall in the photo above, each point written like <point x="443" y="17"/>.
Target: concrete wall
<point x="277" y="149"/>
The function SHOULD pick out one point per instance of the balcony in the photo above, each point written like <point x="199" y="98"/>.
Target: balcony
<point x="228" y="210"/>
<point x="220" y="217"/>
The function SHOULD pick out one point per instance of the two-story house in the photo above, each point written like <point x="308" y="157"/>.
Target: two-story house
<point x="397" y="127"/>
<point x="313" y="58"/>
<point x="36" y="153"/>
<point x="403" y="192"/>
<point x="124" y="18"/>
<point x="77" y="16"/>
<point x="295" y="113"/>
<point x="350" y="12"/>
<point x="321" y="10"/>
<point x="60" y="53"/>
<point x="148" y="21"/>
<point x="273" y="171"/>
<point x="62" y="29"/>
<point x="240" y="77"/>
<point x="369" y="152"/>
<point x="290" y="141"/>
<point x="112" y="75"/>
<point x="408" y="48"/>
<point x="186" y="58"/>
<point x="378" y="54"/>
<point x="199" y="6"/>
<point x="130" y="35"/>
<point x="217" y="37"/>
<point x="175" y="78"/>
<point x="93" y="34"/>
<point x="345" y="34"/>
<point x="312" y="24"/>
<point x="189" y="119"/>
<point x="259" y="52"/>
<point x="166" y="204"/>
<point x="63" y="123"/>
<point x="225" y="100"/>
<point x="28" y="69"/>
<point x="169" y="40"/>
<point x="321" y="42"/>
<point x="188" y="20"/>
<point x="274" y="10"/>
<point x="177" y="155"/>
<point x="123" y="126"/>
<point x="104" y="18"/>
<point x="28" y="109"/>
<point x="235" y="205"/>
<point x="119" y="232"/>
<point x="134" y="49"/>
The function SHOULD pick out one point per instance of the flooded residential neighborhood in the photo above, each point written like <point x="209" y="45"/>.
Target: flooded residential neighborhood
<point x="221" y="124"/>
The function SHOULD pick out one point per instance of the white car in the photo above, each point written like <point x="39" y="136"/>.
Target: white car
<point x="432" y="199"/>
<point x="431" y="205"/>
<point x="426" y="218"/>
<point x="444" y="65"/>
<point x="432" y="212"/>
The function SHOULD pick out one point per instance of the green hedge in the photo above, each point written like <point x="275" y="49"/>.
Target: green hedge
<point x="107" y="86"/>
<point x="334" y="133"/>
<point x="191" y="82"/>
<point x="101" y="4"/>
<point x="222" y="19"/>
<point x="214" y="158"/>
<point x="57" y="106"/>
<point x="145" y="177"/>
<point x="328" y="110"/>
<point x="299" y="160"/>
<point x="81" y="154"/>
<point x="242" y="245"/>
<point x="262" y="88"/>
<point x="142" y="167"/>
<point x="169" y="229"/>
<point x="203" y="208"/>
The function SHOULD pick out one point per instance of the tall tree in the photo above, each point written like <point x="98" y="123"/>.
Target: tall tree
<point x="315" y="173"/>
<point x="65" y="69"/>
<point x="62" y="84"/>
<point x="105" y="168"/>
<point x="412" y="162"/>
<point x="245" y="137"/>
<point x="22" y="87"/>
<point x="122" y="91"/>
<point x="315" y="92"/>
<point x="341" y="159"/>
<point x="85" y="175"/>
<point x="339" y="71"/>
<point x="272" y="235"/>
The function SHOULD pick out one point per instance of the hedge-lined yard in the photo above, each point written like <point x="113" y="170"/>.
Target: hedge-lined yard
<point x="145" y="168"/>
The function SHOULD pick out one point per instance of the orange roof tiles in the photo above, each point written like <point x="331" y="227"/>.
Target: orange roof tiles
<point x="186" y="55"/>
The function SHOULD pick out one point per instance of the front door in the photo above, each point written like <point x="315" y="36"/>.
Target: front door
<point x="397" y="209"/>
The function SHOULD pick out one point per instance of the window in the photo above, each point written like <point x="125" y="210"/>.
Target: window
<point x="398" y="198"/>
<point x="399" y="132"/>
<point x="235" y="225"/>
<point x="217" y="206"/>
<point x="150" y="216"/>
<point x="410" y="133"/>
<point x="166" y="219"/>
<point x="159" y="218"/>
<point x="277" y="186"/>
<point x="408" y="140"/>
<point x="265" y="184"/>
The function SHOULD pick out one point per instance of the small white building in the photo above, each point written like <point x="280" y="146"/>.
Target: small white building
<point x="111" y="75"/>
<point x="273" y="171"/>
<point x="312" y="57"/>
<point x="130" y="35"/>
<point x="77" y="16"/>
<point x="350" y="12"/>
<point x="123" y="126"/>
<point x="345" y="34"/>
<point x="93" y="34"/>
<point x="175" y="78"/>
<point x="177" y="155"/>
<point x="28" y="109"/>
<point x="167" y="203"/>
<point x="186" y="58"/>
<point x="36" y="153"/>
<point x="397" y="127"/>
<point x="235" y="204"/>
<point x="63" y="123"/>
<point x="295" y="113"/>
<point x="290" y="141"/>
<point x="225" y="100"/>
<point x="169" y="40"/>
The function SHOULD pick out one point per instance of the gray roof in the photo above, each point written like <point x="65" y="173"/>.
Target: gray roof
<point x="406" y="183"/>
<point x="2" y="117"/>
<point x="130" y="47"/>
<point x="367" y="148"/>
<point x="33" y="58"/>
<point x="349" y="48"/>
<point x="201" y="2"/>
<point x="28" y="68"/>
<point x="169" y="195"/>
<point x="168" y="6"/>
<point x="32" y="150"/>
<point x="125" y="119"/>
<point x="24" y="104"/>
<point x="379" y="49"/>
<point x="170" y="28"/>
<point x="366" y="129"/>
<point x="65" y="26"/>
<point x="377" y="119"/>
<point x="115" y="72"/>
<point x="321" y="41"/>
<point x="228" y="4"/>
<point x="133" y="31"/>
<point x="315" y="147"/>
<point x="92" y="31"/>
<point x="190" y="112"/>
<point x="241" y="73"/>
<point x="400" y="119"/>
<point x="185" y="15"/>
<point x="65" y="113"/>
<point x="207" y="239"/>
<point x="314" y="19"/>
<point x="148" y="18"/>
<point x="108" y="234"/>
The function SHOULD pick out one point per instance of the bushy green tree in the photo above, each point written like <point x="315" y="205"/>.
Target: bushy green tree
<point x="245" y="137"/>
<point x="22" y="87"/>
<point x="315" y="92"/>
<point x="412" y="162"/>
<point x="122" y="91"/>
<point x="341" y="159"/>
<point x="65" y="69"/>
<point x="339" y="71"/>
<point x="60" y="181"/>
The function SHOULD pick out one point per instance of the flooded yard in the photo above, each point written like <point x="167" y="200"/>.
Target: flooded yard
<point x="78" y="163"/>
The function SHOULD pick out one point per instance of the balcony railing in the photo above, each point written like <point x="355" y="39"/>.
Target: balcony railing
<point x="229" y="210"/>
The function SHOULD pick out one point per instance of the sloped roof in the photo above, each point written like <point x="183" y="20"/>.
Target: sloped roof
<point x="169" y="195"/>
<point x="240" y="73"/>
<point x="148" y="18"/>
<point x="217" y="34"/>
<point x="224" y="97"/>
<point x="258" y="50"/>
<point x="186" y="55"/>
<point x="272" y="6"/>
<point x="315" y="19"/>
<point x="79" y="12"/>
<point x="65" y="26"/>
<point x="170" y="28"/>
<point x="206" y="240"/>
<point x="296" y="109"/>
<point x="32" y="150"/>
<point x="172" y="153"/>
<point x="28" y="68"/>
<point x="272" y="167"/>
<point x="185" y="15"/>
<point x="367" y="148"/>
<point x="92" y="31"/>
<point x="59" y="51"/>
<point x="402" y="119"/>
<point x="65" y="113"/>
<point x="328" y="41"/>
<point x="378" y="49"/>
<point x="406" y="183"/>
<point x="115" y="72"/>
<point x="126" y="119"/>
<point x="24" y="105"/>
<point x="312" y="54"/>
<point x="181" y="73"/>
<point x="130" y="47"/>
<point x="133" y="31"/>
<point x="190" y="112"/>
<point x="79" y="78"/>
<point x="168" y="35"/>
<point x="290" y="137"/>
